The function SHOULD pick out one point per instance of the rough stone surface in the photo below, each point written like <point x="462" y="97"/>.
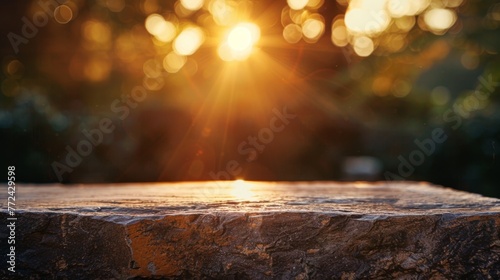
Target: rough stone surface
<point x="253" y="230"/>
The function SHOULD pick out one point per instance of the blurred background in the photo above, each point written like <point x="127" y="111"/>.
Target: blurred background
<point x="129" y="91"/>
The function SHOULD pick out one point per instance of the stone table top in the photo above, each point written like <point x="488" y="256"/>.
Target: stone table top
<point x="381" y="198"/>
<point x="251" y="230"/>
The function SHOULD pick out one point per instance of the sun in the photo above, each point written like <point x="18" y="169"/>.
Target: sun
<point x="240" y="38"/>
<point x="239" y="41"/>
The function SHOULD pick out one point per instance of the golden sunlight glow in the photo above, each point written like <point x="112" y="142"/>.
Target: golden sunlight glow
<point x="439" y="20"/>
<point x="368" y="24"/>
<point x="153" y="23"/>
<point x="192" y="5"/>
<point x="223" y="12"/>
<point x="242" y="190"/>
<point x="297" y="4"/>
<point x="393" y="42"/>
<point x="363" y="46"/>
<point x="151" y="68"/>
<point x="240" y="38"/>
<point x="97" y="32"/>
<point x="399" y="8"/>
<point x="239" y="42"/>
<point x="157" y="26"/>
<point x="315" y="4"/>
<point x="367" y="17"/>
<point x="313" y="28"/>
<point x="339" y="33"/>
<point x="188" y="41"/>
<point x="292" y="33"/>
<point x="405" y="23"/>
<point x="298" y="16"/>
<point x="173" y="62"/>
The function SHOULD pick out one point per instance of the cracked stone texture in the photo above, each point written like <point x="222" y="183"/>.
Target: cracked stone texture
<point x="253" y="230"/>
